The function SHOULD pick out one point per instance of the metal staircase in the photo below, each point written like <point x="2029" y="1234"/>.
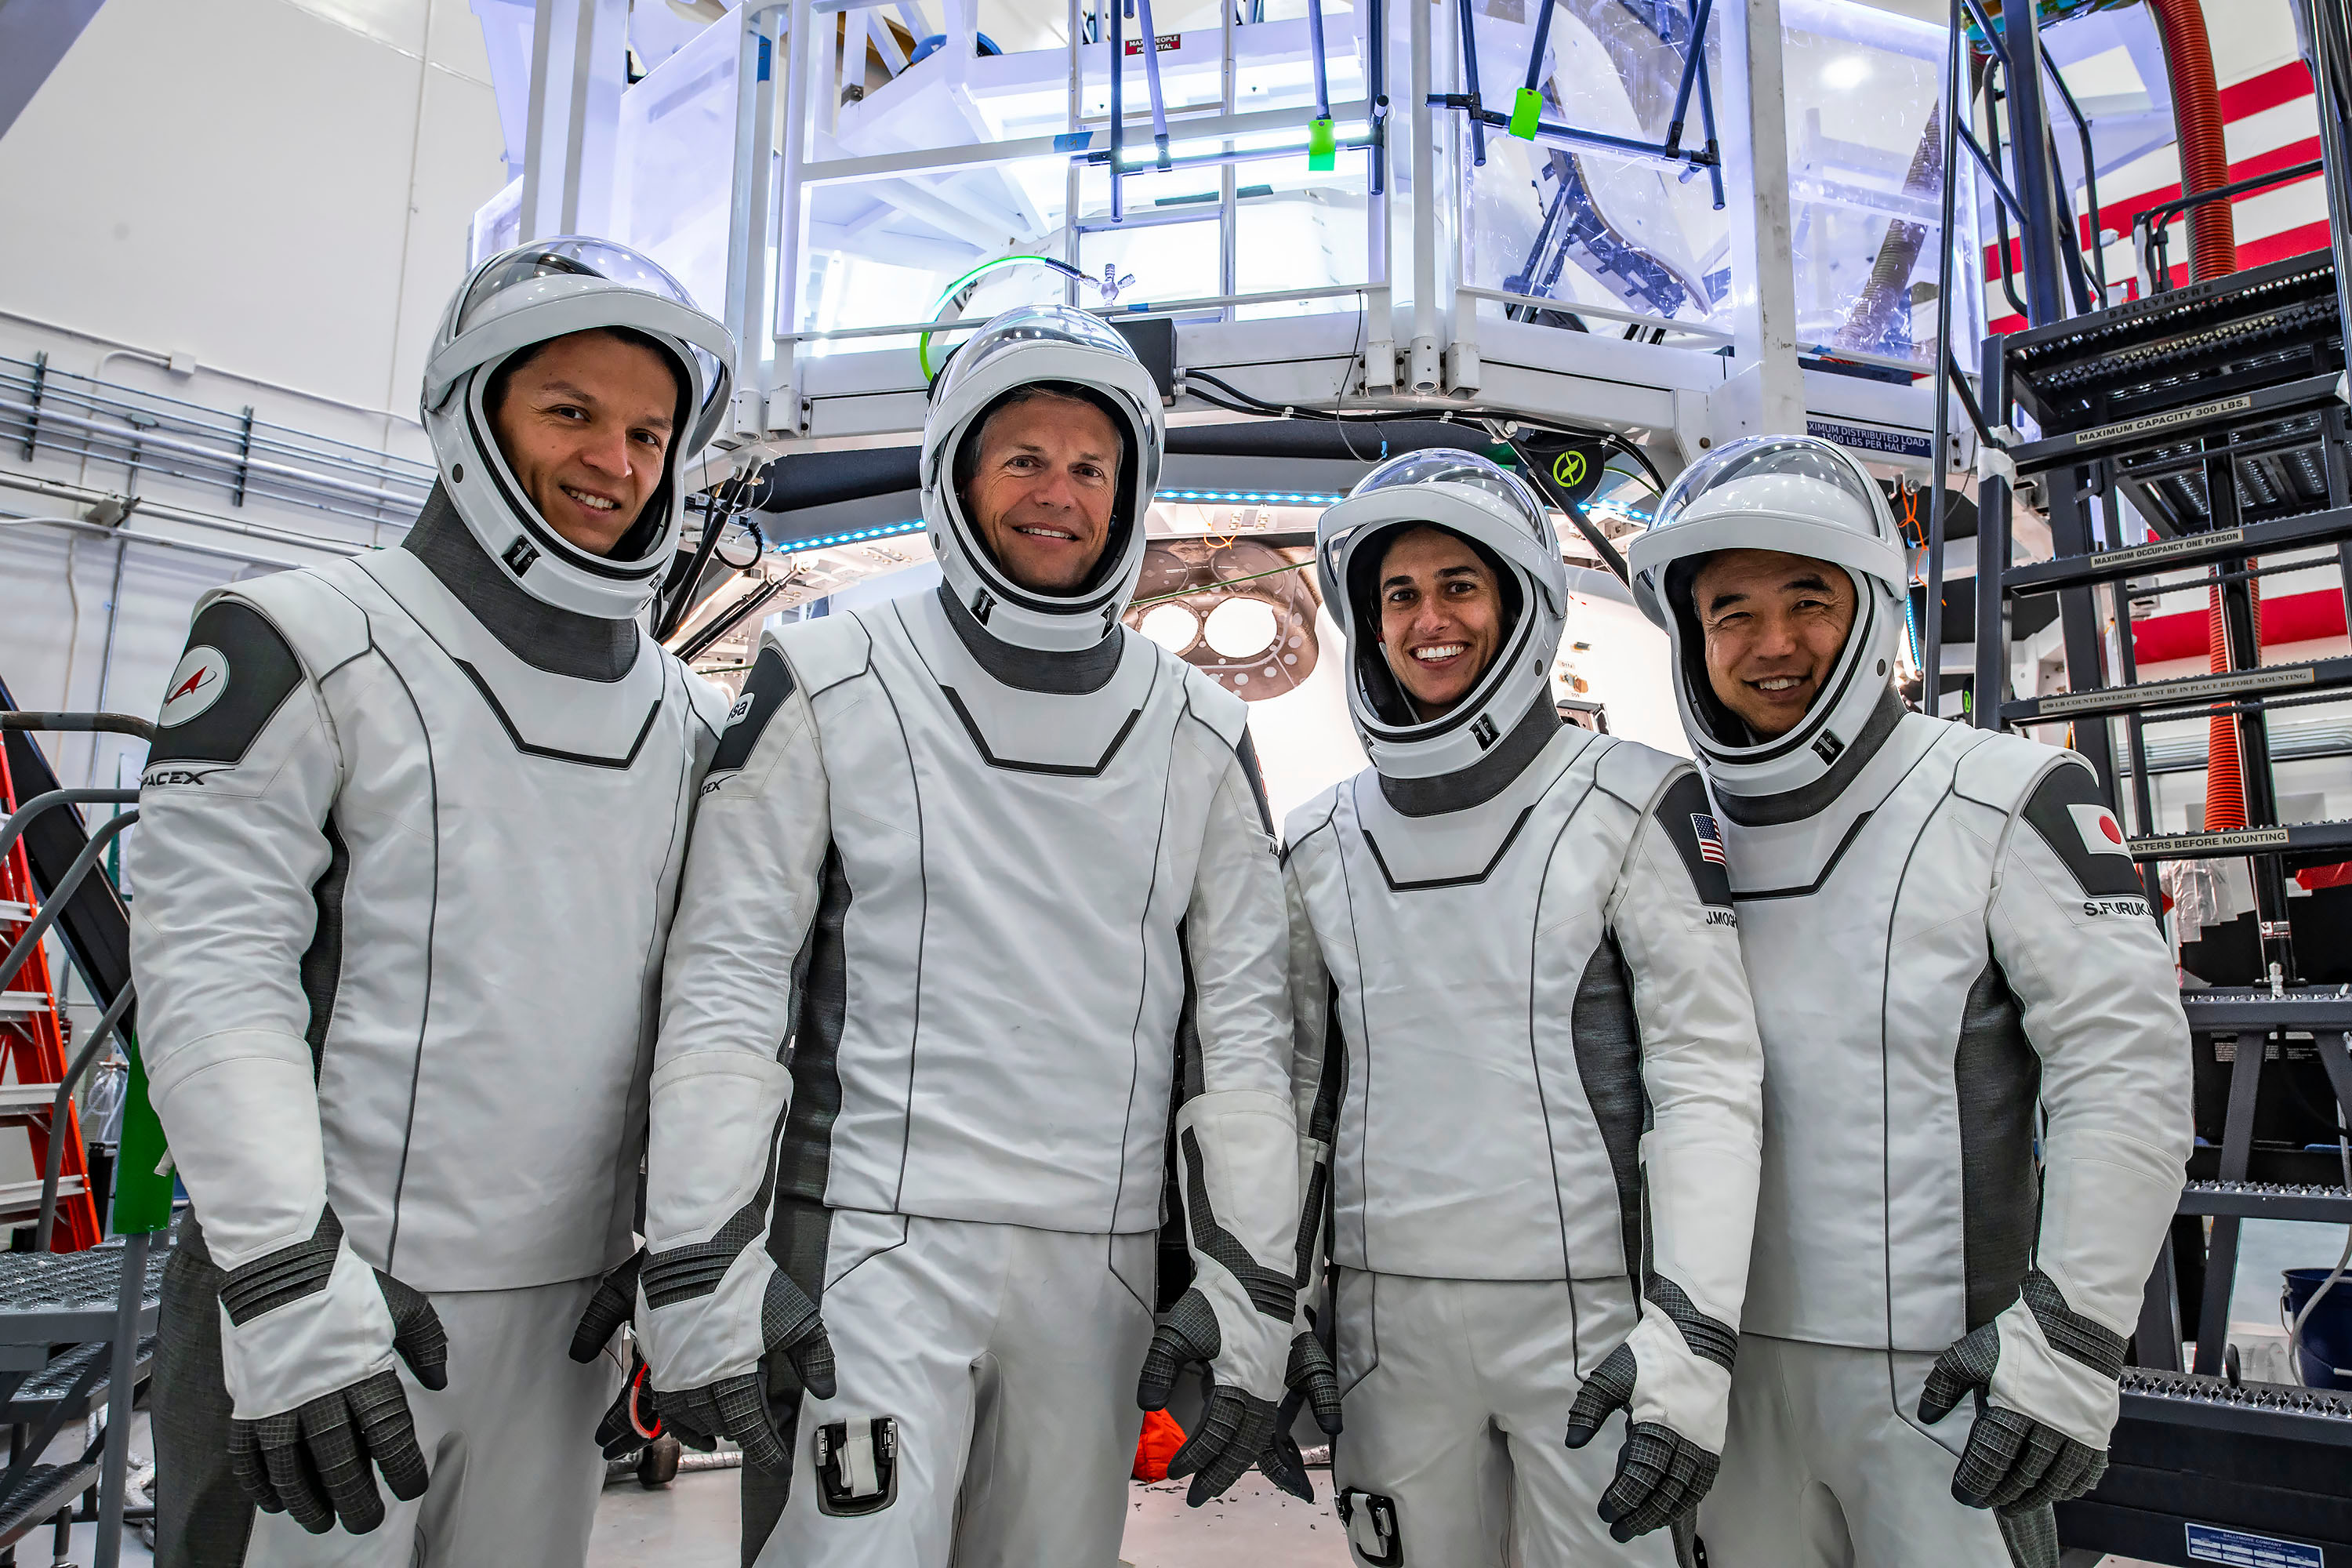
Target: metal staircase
<point x="76" y="1327"/>
<point x="2218" y="411"/>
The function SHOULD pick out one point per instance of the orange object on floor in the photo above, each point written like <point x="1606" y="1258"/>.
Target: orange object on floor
<point x="1161" y="1437"/>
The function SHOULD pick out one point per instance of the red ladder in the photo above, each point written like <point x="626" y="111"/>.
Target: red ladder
<point x="33" y="1061"/>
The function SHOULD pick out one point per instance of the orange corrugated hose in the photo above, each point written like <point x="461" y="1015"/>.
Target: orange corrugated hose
<point x="2213" y="253"/>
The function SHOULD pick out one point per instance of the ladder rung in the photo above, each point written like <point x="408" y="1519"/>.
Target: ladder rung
<point x="13" y="910"/>
<point x="19" y="1004"/>
<point x="2188" y="549"/>
<point x="2189" y="690"/>
<point x="26" y="1096"/>
<point x="22" y="1200"/>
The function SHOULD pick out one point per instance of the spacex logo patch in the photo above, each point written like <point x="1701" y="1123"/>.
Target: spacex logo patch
<point x="2100" y="832"/>
<point x="197" y="682"/>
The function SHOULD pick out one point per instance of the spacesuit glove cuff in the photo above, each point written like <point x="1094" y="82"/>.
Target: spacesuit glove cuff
<point x="2057" y="1366"/>
<point x="700" y="1314"/>
<point x="1684" y="1358"/>
<point x="300" y="1323"/>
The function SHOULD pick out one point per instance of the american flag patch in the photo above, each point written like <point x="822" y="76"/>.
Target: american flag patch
<point x="1710" y="840"/>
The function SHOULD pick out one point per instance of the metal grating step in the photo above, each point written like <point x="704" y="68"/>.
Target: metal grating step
<point x="2267" y="1200"/>
<point x="2221" y="1009"/>
<point x="68" y="1298"/>
<point x="46" y="1489"/>
<point x="2268" y="1409"/>
<point x="39" y="1393"/>
<point x="2189" y="691"/>
<point x="2188" y="549"/>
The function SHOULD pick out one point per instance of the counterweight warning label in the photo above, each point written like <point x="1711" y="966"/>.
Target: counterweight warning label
<point x="2208" y="1544"/>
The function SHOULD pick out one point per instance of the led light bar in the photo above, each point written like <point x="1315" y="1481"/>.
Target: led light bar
<point x="858" y="536"/>
<point x="1267" y="497"/>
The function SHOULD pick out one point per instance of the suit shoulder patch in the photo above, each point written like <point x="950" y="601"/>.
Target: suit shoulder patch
<point x="765" y="691"/>
<point x="1214" y="706"/>
<point x="2072" y="817"/>
<point x="1630" y="771"/>
<point x="826" y="652"/>
<point x="237" y="671"/>
<point x="1687" y="817"/>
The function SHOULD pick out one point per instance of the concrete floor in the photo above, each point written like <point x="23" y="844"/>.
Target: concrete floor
<point x="692" y="1523"/>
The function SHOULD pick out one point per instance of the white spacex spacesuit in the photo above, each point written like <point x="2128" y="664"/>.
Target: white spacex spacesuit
<point x="410" y="829"/>
<point x="1528" y="1062"/>
<point x="979" y="879"/>
<point x="1950" y="954"/>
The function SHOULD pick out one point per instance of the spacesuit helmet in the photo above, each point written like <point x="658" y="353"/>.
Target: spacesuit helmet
<point x="509" y="305"/>
<point x="1801" y="496"/>
<point x="1498" y="516"/>
<point x="1071" y="354"/>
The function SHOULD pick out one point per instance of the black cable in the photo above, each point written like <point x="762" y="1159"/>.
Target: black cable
<point x="723" y="503"/>
<point x="1634" y="450"/>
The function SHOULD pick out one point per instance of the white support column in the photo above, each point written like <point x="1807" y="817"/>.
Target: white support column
<point x="1422" y="372"/>
<point x="579" y="53"/>
<point x="751" y="215"/>
<point x="1380" y="329"/>
<point x="1766" y="394"/>
<point x="801" y="60"/>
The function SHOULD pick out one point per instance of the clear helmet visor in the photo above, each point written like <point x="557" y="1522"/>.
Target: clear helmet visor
<point x="1769" y="457"/>
<point x="1449" y="466"/>
<point x="493" y="288"/>
<point x="1057" y="324"/>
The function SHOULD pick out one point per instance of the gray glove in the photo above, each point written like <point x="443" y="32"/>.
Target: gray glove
<point x="1233" y="1427"/>
<point x="798" y="1355"/>
<point x="2060" y="1365"/>
<point x="634" y="1418"/>
<point x="1312" y="1379"/>
<point x="312" y="1460"/>
<point x="1661" y="1474"/>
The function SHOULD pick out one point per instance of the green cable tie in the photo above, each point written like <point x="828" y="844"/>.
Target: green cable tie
<point x="1525" y="111"/>
<point x="1322" y="147"/>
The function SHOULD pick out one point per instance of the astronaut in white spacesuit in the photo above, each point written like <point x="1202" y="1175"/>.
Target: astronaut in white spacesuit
<point x="1948" y="948"/>
<point x="979" y="879"/>
<point x="411" y="828"/>
<point x="1527" y="1067"/>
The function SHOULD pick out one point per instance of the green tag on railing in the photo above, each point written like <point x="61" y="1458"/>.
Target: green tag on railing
<point x="1322" y="146"/>
<point x="1525" y="111"/>
<point x="143" y="1198"/>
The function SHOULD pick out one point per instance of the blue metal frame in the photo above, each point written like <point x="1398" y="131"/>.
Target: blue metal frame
<point x="1671" y="150"/>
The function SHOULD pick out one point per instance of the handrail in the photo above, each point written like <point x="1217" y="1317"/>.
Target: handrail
<point x="24" y="813"/>
<point x="112" y="723"/>
<point x="2149" y="236"/>
<point x="51" y="906"/>
<point x="54" y="1162"/>
<point x="2090" y="175"/>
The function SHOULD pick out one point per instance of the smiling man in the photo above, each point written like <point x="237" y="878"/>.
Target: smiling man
<point x="1526" y="1063"/>
<point x="410" y="831"/>
<point x="1953" y="961"/>
<point x="982" y="913"/>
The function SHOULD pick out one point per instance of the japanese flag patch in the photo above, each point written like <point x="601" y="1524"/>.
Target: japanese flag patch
<point x="2098" y="829"/>
<point x="2069" y="813"/>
